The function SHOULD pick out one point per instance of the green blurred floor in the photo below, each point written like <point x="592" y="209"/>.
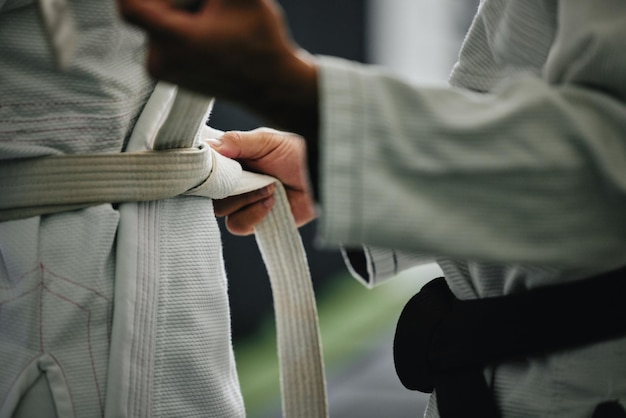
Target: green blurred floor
<point x="357" y="328"/>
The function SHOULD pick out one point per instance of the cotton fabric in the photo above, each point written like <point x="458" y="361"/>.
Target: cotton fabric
<point x="58" y="273"/>
<point x="511" y="179"/>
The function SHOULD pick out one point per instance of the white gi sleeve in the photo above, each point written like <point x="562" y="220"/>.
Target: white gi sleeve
<point x="532" y="172"/>
<point x="374" y="265"/>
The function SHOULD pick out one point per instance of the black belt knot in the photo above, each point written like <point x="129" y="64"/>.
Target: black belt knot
<point x="444" y="343"/>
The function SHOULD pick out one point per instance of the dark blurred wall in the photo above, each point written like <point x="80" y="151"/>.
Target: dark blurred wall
<point x="330" y="27"/>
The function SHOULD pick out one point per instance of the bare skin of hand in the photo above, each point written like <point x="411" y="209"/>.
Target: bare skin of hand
<point x="278" y="154"/>
<point x="238" y="50"/>
<point x="241" y="51"/>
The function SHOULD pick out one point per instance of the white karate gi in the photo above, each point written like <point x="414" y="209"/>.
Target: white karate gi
<point x="511" y="180"/>
<point x="59" y="274"/>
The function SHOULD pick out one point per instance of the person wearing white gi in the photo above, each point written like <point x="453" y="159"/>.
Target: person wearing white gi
<point x="72" y="341"/>
<point x="511" y="179"/>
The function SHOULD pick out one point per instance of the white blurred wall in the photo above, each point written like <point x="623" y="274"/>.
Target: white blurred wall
<point x="419" y="39"/>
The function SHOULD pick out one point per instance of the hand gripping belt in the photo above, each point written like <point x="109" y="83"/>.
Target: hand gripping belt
<point x="52" y="184"/>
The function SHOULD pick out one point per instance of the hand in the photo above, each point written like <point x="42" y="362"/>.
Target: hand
<point x="239" y="50"/>
<point x="278" y="154"/>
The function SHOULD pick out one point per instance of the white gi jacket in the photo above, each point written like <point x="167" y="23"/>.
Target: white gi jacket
<point x="514" y="178"/>
<point x="58" y="272"/>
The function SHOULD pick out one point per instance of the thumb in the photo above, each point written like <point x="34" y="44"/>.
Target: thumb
<point x="243" y="145"/>
<point x="229" y="144"/>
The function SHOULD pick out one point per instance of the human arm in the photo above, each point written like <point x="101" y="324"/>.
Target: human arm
<point x="239" y="51"/>
<point x="282" y="155"/>
<point x="528" y="172"/>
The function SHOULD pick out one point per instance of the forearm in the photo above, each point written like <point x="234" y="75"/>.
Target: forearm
<point x="519" y="175"/>
<point x="236" y="51"/>
<point x="290" y="102"/>
<point x="287" y="95"/>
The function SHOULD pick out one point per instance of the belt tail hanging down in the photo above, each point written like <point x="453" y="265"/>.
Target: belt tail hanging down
<point x="299" y="350"/>
<point x="45" y="185"/>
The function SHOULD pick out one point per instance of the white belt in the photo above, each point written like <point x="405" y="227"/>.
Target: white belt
<point x="50" y="184"/>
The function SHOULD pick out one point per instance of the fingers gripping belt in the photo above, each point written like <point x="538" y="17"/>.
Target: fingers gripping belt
<point x="58" y="183"/>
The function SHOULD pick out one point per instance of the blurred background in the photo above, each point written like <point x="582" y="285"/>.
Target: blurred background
<point x="418" y="39"/>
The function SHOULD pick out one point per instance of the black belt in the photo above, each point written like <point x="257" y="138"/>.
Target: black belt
<point x="444" y="343"/>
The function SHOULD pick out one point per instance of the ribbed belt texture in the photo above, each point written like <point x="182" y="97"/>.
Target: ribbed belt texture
<point x="51" y="184"/>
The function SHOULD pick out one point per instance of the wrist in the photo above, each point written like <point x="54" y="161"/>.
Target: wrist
<point x="288" y="98"/>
